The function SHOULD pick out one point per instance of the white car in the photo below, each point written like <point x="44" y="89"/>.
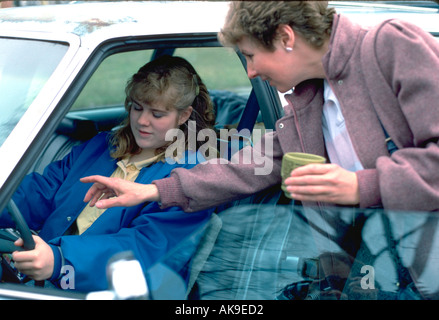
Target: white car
<point x="63" y="69"/>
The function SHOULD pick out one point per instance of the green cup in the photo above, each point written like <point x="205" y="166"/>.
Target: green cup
<point x="293" y="160"/>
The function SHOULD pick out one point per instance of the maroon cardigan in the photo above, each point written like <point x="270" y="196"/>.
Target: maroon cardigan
<point x="392" y="72"/>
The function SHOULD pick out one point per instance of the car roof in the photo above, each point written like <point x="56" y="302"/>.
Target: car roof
<point x="97" y="19"/>
<point x="93" y="21"/>
<point x="424" y="14"/>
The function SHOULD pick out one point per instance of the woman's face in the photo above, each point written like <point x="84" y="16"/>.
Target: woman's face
<point x="272" y="66"/>
<point x="150" y="123"/>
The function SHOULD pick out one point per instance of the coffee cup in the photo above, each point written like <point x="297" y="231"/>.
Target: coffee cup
<point x="293" y="160"/>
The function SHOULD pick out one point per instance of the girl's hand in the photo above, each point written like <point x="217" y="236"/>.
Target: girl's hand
<point x="324" y="183"/>
<point x="37" y="263"/>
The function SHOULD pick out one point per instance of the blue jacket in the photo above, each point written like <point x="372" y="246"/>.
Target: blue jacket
<point x="51" y="203"/>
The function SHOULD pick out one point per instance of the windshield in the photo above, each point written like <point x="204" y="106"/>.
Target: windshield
<point x="25" y="67"/>
<point x="285" y="252"/>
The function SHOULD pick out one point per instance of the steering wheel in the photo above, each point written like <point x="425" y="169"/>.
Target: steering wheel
<point x="7" y="239"/>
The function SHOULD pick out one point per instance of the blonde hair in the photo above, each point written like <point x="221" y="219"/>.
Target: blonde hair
<point x="174" y="82"/>
<point x="259" y="20"/>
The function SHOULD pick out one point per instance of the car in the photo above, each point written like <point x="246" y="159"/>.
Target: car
<point x="71" y="87"/>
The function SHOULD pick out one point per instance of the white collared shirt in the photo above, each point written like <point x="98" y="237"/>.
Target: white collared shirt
<point x="337" y="140"/>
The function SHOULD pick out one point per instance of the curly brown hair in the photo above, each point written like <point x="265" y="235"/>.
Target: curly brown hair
<point x="175" y="80"/>
<point x="259" y="20"/>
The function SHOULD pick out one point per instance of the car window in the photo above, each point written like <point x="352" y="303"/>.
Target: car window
<point x="226" y="79"/>
<point x="220" y="68"/>
<point x="106" y="86"/>
<point x="23" y="75"/>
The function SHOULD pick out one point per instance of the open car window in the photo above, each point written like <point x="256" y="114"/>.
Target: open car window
<point x="101" y="101"/>
<point x="220" y="68"/>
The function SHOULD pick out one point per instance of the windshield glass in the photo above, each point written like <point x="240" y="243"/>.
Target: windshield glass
<point x="25" y="67"/>
<point x="287" y="252"/>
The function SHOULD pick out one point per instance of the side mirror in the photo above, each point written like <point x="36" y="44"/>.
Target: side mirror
<point x="126" y="280"/>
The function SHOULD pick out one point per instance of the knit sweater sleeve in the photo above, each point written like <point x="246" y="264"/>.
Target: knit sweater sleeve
<point x="171" y="192"/>
<point x="218" y="181"/>
<point x="369" y="188"/>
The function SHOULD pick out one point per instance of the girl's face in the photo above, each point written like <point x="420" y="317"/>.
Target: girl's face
<point x="150" y="123"/>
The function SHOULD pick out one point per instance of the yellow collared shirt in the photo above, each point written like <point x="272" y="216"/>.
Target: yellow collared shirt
<point x="125" y="170"/>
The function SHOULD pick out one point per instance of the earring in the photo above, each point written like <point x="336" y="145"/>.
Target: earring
<point x="288" y="49"/>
